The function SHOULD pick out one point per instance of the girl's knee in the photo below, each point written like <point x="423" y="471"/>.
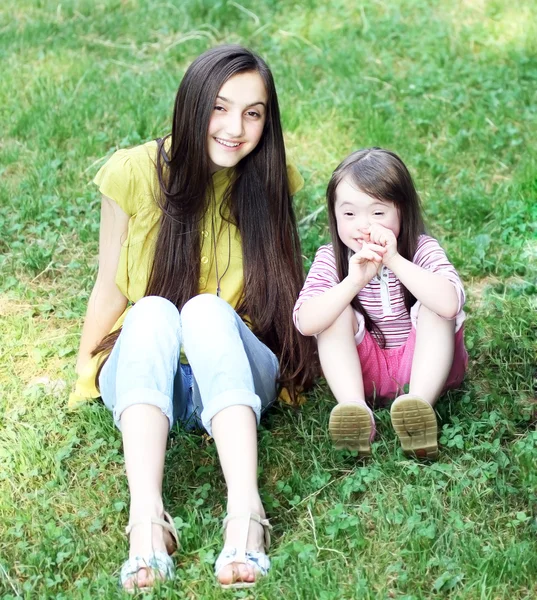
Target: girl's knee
<point x="154" y="312"/>
<point x="155" y="304"/>
<point x="204" y="309"/>
<point x="428" y="317"/>
<point x="423" y="311"/>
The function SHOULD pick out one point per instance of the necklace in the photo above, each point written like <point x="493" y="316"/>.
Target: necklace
<point x="213" y="237"/>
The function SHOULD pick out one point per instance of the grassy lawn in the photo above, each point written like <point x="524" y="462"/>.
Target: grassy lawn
<point x="450" y="85"/>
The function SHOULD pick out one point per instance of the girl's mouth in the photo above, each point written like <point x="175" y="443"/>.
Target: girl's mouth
<point x="228" y="144"/>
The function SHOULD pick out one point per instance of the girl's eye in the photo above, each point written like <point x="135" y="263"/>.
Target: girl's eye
<point x="377" y="213"/>
<point x="348" y="214"/>
<point x="253" y="114"/>
<point x="218" y="107"/>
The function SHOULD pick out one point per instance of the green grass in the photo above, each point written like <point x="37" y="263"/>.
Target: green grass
<point x="451" y="85"/>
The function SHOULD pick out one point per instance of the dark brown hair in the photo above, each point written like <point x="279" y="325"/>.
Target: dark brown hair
<point x="380" y="174"/>
<point x="258" y="196"/>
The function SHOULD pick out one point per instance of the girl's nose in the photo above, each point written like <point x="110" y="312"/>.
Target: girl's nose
<point x="362" y="225"/>
<point x="234" y="125"/>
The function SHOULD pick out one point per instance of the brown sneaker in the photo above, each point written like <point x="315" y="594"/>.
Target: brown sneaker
<point x="414" y="421"/>
<point x="352" y="427"/>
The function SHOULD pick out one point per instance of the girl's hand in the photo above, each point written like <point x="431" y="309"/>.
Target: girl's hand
<point x="363" y="265"/>
<point x="384" y="237"/>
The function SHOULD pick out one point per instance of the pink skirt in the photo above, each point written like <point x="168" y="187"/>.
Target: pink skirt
<point x="386" y="371"/>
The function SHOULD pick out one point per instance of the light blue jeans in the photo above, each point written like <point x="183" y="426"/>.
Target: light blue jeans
<point x="228" y="365"/>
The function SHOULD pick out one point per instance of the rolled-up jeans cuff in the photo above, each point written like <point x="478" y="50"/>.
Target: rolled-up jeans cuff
<point x="143" y="396"/>
<point x="227" y="399"/>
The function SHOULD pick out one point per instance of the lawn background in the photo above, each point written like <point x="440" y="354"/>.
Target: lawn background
<point x="448" y="84"/>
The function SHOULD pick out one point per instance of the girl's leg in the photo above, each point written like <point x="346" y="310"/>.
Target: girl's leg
<point x="352" y="425"/>
<point x="235" y="434"/>
<point x="433" y="355"/>
<point x="137" y="384"/>
<point x="145" y="432"/>
<point x="413" y="416"/>
<point x="339" y="359"/>
<point x="236" y="375"/>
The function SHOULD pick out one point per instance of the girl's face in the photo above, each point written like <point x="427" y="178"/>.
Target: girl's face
<point x="356" y="212"/>
<point x="238" y="118"/>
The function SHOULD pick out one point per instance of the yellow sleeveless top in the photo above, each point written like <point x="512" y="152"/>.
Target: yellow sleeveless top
<point x="129" y="178"/>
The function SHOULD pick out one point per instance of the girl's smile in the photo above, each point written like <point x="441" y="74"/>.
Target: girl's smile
<point x="227" y="144"/>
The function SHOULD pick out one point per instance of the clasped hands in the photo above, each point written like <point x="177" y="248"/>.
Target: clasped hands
<point x="379" y="247"/>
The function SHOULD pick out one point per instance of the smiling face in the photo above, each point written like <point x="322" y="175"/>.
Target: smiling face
<point x="355" y="212"/>
<point x="237" y="121"/>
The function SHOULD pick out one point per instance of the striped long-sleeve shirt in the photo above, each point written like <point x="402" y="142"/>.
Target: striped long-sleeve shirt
<point x="382" y="297"/>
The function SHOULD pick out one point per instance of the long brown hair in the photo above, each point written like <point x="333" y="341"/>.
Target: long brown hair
<point x="259" y="194"/>
<point x="380" y="174"/>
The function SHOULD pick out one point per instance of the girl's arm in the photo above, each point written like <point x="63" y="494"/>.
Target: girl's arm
<point x="433" y="290"/>
<point x="319" y="312"/>
<point x="106" y="302"/>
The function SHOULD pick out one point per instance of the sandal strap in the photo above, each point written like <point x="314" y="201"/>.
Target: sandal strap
<point x="166" y="523"/>
<point x="259" y="561"/>
<point x="251" y="517"/>
<point x="170" y="526"/>
<point x="247" y="517"/>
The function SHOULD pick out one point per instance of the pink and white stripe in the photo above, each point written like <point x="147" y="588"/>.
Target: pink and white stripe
<point x="395" y="327"/>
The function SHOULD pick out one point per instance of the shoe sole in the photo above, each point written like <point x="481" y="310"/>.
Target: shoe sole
<point x="414" y="421"/>
<point x="237" y="586"/>
<point x="350" y="428"/>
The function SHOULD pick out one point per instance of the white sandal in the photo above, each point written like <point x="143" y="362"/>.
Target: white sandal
<point x="238" y="554"/>
<point x="156" y="560"/>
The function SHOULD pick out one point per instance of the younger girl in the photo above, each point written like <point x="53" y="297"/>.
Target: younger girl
<point x="209" y="337"/>
<point x="385" y="305"/>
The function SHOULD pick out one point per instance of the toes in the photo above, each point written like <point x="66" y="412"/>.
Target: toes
<point x="235" y="572"/>
<point x="226" y="575"/>
<point x="245" y="573"/>
<point x="143" y="578"/>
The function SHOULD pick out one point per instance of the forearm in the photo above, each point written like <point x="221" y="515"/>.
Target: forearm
<point x="319" y="312"/>
<point x="104" y="309"/>
<point x="433" y="290"/>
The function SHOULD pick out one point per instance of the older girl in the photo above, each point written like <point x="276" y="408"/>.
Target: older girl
<point x="198" y="233"/>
